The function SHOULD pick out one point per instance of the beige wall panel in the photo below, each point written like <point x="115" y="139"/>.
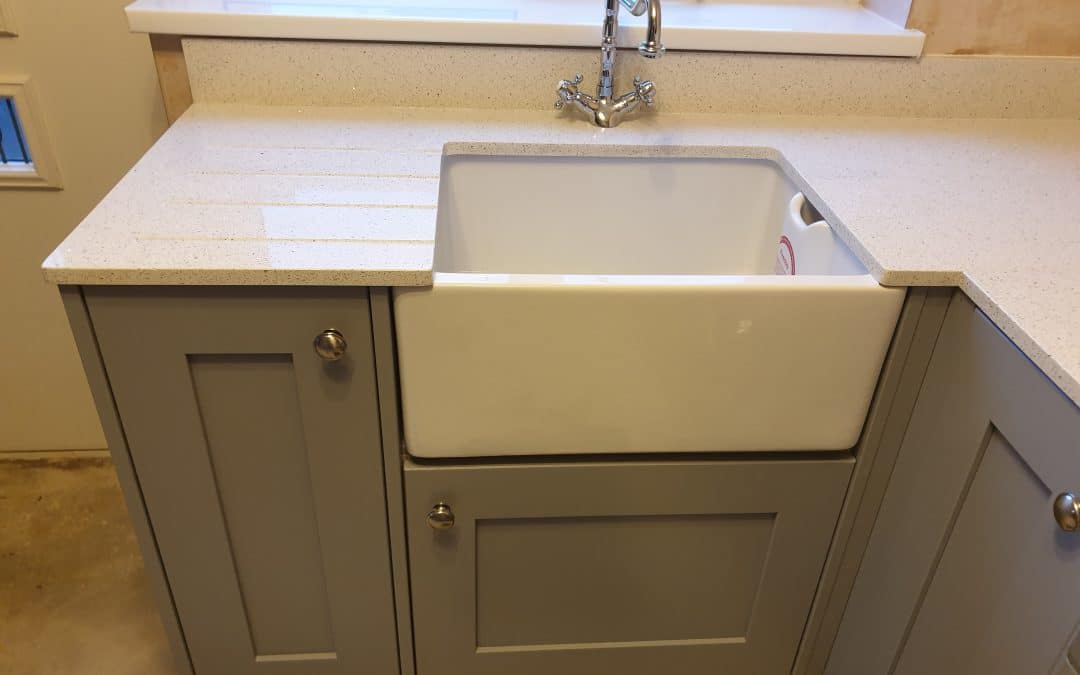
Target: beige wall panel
<point x="1030" y="27"/>
<point x="98" y="92"/>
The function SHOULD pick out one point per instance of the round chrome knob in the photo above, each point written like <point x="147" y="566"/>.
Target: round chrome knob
<point x="330" y="345"/>
<point x="1067" y="512"/>
<point x="440" y="517"/>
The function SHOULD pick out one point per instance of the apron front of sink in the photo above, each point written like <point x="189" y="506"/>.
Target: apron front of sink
<point x="667" y="322"/>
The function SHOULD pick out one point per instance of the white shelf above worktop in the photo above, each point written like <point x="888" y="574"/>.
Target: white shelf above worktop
<point x="841" y="27"/>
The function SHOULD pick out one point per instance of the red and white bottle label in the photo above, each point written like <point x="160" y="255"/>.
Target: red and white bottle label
<point x="785" y="257"/>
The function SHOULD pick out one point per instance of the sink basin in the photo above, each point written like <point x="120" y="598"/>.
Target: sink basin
<point x="627" y="302"/>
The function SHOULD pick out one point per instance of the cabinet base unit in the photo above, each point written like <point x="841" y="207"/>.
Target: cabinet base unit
<point x="635" y="567"/>
<point x="259" y="459"/>
<point x="974" y="561"/>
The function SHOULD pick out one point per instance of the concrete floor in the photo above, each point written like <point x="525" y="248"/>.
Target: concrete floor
<point x="74" y="597"/>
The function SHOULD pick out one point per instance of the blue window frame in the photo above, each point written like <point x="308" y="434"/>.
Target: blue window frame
<point x="13" y="147"/>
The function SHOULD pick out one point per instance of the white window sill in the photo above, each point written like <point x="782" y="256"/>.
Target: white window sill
<point x="842" y="27"/>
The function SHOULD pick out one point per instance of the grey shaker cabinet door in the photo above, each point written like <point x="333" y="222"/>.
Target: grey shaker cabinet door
<point x="968" y="569"/>
<point x="636" y="568"/>
<point x="261" y="469"/>
<point x="1006" y="594"/>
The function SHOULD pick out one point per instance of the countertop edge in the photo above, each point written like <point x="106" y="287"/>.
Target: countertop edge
<point x="232" y="277"/>
<point x="1050" y="367"/>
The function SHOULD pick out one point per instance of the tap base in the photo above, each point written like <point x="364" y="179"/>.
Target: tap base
<point x="605" y="111"/>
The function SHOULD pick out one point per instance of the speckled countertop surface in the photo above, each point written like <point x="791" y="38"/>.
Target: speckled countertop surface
<point x="335" y="196"/>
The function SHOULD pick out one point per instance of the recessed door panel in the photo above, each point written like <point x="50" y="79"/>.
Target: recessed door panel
<point x="629" y="567"/>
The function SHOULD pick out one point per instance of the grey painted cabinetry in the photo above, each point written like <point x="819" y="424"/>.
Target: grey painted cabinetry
<point x="254" y="470"/>
<point x="967" y="571"/>
<point x="631" y="567"/>
<point x="261" y="469"/>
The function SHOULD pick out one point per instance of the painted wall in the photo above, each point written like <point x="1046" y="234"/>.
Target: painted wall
<point x="1032" y="27"/>
<point x="98" y="91"/>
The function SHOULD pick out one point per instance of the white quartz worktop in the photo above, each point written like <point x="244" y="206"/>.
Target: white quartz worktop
<point x="336" y="196"/>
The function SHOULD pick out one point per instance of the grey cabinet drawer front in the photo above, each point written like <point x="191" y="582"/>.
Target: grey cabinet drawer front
<point x="628" y="567"/>
<point x="261" y="470"/>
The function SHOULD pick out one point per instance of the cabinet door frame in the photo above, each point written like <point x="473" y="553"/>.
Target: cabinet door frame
<point x="805" y="497"/>
<point x="86" y="341"/>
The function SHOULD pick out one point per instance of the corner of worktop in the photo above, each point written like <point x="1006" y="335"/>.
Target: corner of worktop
<point x="916" y="278"/>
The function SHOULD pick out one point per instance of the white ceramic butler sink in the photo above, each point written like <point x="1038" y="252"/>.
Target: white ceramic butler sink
<point x="635" y="303"/>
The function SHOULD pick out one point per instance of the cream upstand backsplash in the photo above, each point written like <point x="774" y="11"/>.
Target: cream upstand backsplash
<point x="374" y="75"/>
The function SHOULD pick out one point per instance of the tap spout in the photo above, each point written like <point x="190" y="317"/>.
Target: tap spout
<point x="652" y="47"/>
<point x="605" y="87"/>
